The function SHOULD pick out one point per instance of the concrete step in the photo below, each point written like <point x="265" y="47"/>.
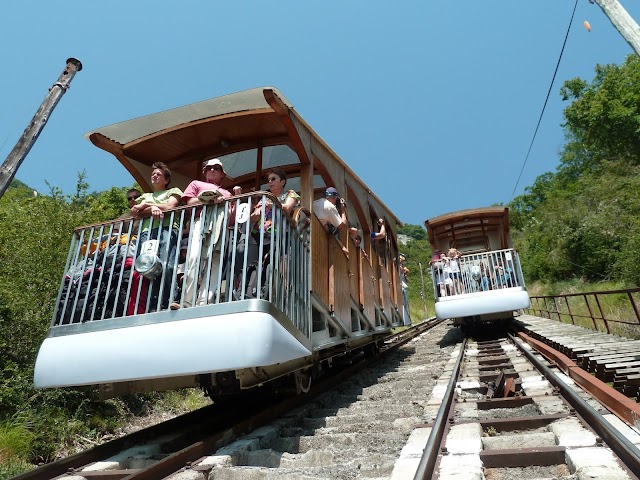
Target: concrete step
<point x="367" y="442"/>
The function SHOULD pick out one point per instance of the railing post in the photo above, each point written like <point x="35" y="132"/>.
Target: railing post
<point x="539" y="309"/>
<point x="593" y="319"/>
<point x="606" y="323"/>
<point x="556" y="309"/>
<point x="546" y="308"/>
<point x="566" y="299"/>
<point x="634" y="306"/>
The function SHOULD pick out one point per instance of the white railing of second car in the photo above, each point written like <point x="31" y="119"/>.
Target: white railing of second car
<point x="225" y="262"/>
<point x="480" y="272"/>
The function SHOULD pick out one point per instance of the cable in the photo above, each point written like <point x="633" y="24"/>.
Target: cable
<point x="546" y="99"/>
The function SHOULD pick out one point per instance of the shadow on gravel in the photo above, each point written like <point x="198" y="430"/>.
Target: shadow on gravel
<point x="453" y="336"/>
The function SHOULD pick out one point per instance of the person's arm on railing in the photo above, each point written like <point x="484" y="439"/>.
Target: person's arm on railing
<point x="155" y="210"/>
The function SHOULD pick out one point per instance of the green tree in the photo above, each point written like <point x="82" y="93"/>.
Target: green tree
<point x="417" y="232"/>
<point x="582" y="220"/>
<point x="34" y="241"/>
<point x="603" y="121"/>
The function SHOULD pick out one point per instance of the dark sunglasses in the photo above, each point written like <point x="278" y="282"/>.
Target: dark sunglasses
<point x="217" y="168"/>
<point x="131" y="199"/>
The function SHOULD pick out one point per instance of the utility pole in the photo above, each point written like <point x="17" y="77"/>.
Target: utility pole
<point x="424" y="300"/>
<point x="623" y="22"/>
<point x="21" y="150"/>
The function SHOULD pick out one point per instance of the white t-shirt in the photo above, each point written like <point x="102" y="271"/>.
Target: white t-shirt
<point x="453" y="263"/>
<point x="327" y="212"/>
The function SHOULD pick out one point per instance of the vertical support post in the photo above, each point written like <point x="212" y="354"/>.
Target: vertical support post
<point x="593" y="319"/>
<point x="606" y="323"/>
<point x="259" y="172"/>
<point x="556" y="310"/>
<point x="634" y="306"/>
<point x="30" y="135"/>
<point x="622" y="21"/>
<point x="424" y="301"/>
<point x="566" y="299"/>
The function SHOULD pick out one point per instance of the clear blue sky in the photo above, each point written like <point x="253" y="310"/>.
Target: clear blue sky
<point x="432" y="104"/>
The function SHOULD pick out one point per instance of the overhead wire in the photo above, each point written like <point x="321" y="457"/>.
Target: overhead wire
<point x="546" y="100"/>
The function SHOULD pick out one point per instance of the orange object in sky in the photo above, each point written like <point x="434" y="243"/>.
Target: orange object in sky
<point x="587" y="26"/>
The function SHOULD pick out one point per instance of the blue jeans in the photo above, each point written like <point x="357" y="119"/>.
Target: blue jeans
<point x="504" y="280"/>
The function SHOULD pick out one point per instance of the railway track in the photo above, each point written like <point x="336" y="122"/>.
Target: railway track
<point x="262" y="434"/>
<point x="427" y="407"/>
<point x="508" y="413"/>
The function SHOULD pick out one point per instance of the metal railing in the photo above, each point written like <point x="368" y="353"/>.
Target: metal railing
<point x="202" y="255"/>
<point x="597" y="310"/>
<point x="479" y="272"/>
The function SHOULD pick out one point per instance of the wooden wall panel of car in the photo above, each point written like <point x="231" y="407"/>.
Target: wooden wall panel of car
<point x="369" y="285"/>
<point x="319" y="261"/>
<point x="396" y="285"/>
<point x="354" y="273"/>
<point x="340" y="283"/>
<point x="385" y="291"/>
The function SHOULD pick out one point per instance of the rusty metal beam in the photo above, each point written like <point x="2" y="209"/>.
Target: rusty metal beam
<point x="621" y="405"/>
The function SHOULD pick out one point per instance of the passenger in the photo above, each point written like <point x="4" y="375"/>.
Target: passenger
<point x="357" y="241"/>
<point x="403" y="267"/>
<point x="454" y="270"/>
<point x="277" y="180"/>
<point x="438" y="260"/>
<point x="262" y="230"/>
<point x="151" y="208"/>
<point x="195" y="267"/>
<point x="326" y="209"/>
<point x="485" y="277"/>
<point x="446" y="269"/>
<point x="404" y="282"/>
<point x="382" y="234"/>
<point x="448" y="286"/>
<point x="132" y="196"/>
<point x="182" y="259"/>
<point x="503" y="275"/>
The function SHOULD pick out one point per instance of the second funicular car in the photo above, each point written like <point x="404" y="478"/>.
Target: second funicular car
<point x="475" y="269"/>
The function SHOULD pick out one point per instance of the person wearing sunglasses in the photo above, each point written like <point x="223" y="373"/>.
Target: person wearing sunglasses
<point x="209" y="191"/>
<point x="261" y="227"/>
<point x="133" y="194"/>
<point x="277" y="180"/>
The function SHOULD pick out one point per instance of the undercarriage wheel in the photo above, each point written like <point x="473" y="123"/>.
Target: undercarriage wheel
<point x="372" y="349"/>
<point x="303" y="381"/>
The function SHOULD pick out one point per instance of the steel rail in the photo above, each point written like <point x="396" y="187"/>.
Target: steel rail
<point x="110" y="448"/>
<point x="431" y="450"/>
<point x="220" y="432"/>
<point x="620" y="445"/>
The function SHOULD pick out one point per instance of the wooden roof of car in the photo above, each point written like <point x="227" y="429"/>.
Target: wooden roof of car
<point x="184" y="137"/>
<point x="470" y="226"/>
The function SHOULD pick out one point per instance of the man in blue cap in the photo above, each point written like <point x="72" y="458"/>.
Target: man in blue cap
<point x="332" y="215"/>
